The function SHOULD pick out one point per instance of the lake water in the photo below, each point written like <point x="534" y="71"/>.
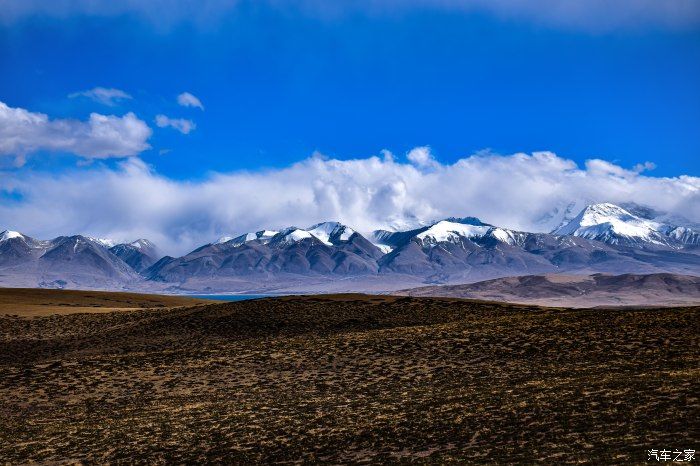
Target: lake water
<point x="228" y="297"/>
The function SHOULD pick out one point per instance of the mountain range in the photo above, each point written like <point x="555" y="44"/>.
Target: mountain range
<point x="330" y="256"/>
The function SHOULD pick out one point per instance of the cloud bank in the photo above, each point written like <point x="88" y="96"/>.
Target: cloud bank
<point x="587" y="15"/>
<point x="23" y="132"/>
<point x="516" y="191"/>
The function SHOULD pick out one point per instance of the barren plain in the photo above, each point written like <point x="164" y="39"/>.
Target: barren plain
<point x="349" y="379"/>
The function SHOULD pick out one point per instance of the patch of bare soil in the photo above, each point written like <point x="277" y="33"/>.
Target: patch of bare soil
<point x="350" y="379"/>
<point x="27" y="302"/>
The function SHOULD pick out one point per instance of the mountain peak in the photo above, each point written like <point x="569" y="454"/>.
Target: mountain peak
<point x="612" y="224"/>
<point x="331" y="232"/>
<point x="142" y="243"/>
<point x="292" y="235"/>
<point x="9" y="234"/>
<point x="262" y="235"/>
<point x="606" y="208"/>
<point x="224" y="239"/>
<point x="105" y="242"/>
<point x="467" y="221"/>
<point x="448" y="231"/>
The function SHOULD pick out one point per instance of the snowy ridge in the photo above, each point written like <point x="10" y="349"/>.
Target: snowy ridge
<point x="9" y="234"/>
<point x="331" y="232"/>
<point x="506" y="236"/>
<point x="451" y="232"/>
<point x="685" y="235"/>
<point x="613" y="225"/>
<point x="446" y="231"/>
<point x="292" y="235"/>
<point x="263" y="235"/>
<point x="142" y="243"/>
<point x="104" y="242"/>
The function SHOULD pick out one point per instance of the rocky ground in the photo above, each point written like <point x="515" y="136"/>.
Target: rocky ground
<point x="350" y="379"/>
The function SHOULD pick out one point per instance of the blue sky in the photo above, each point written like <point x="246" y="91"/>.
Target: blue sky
<point x="503" y="109"/>
<point x="279" y="84"/>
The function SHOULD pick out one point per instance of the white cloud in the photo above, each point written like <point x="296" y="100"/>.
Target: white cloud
<point x="514" y="191"/>
<point x="588" y="15"/>
<point x="644" y="167"/>
<point x="106" y="96"/>
<point x="180" y="124"/>
<point x="23" y="132"/>
<point x="188" y="100"/>
<point x="422" y="157"/>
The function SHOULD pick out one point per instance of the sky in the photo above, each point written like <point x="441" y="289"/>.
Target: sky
<point x="184" y="120"/>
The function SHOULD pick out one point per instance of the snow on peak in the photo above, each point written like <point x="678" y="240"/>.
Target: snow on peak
<point x="330" y="232"/>
<point x="141" y="243"/>
<point x="605" y="210"/>
<point x="327" y="233"/>
<point x="446" y="231"/>
<point x="9" y="234"/>
<point x="224" y="239"/>
<point x="293" y="235"/>
<point x="685" y="235"/>
<point x="505" y="236"/>
<point x="262" y="235"/>
<point x="105" y="242"/>
<point x="612" y="224"/>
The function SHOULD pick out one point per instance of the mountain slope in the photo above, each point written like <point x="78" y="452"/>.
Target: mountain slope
<point x="67" y="261"/>
<point x="577" y="291"/>
<point x="328" y="248"/>
<point x="616" y="225"/>
<point x="139" y="254"/>
<point x="16" y="248"/>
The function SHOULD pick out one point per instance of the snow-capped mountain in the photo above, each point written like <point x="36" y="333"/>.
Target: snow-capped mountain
<point x="9" y="234"/>
<point x="613" y="224"/>
<point x="142" y="244"/>
<point x="324" y="249"/>
<point x="331" y="232"/>
<point x="139" y="254"/>
<point x="66" y="261"/>
<point x="450" y="230"/>
<point x="16" y="248"/>
<point x="685" y="235"/>
<point x="446" y="231"/>
<point x="15" y="237"/>
<point x="328" y="233"/>
<point x="291" y="235"/>
<point x="262" y="235"/>
<point x="600" y="238"/>
<point x="105" y="242"/>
